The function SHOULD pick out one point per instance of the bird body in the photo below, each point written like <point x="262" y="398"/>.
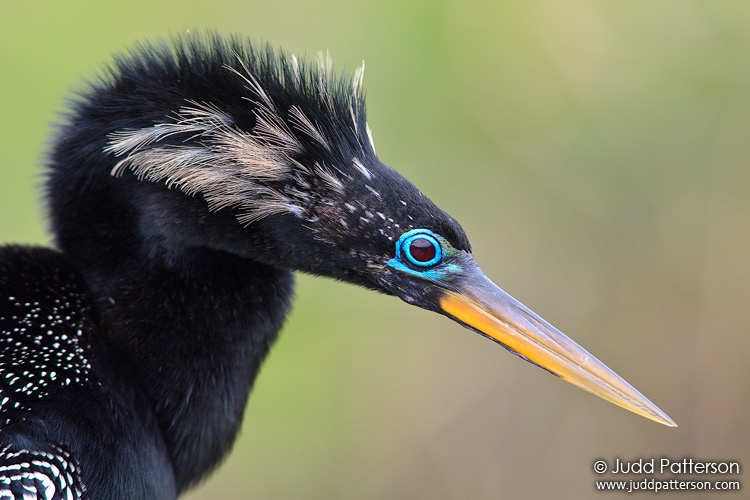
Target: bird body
<point x="59" y="381"/>
<point x="184" y="188"/>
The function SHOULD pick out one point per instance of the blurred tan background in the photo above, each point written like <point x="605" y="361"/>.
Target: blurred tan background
<point x="596" y="152"/>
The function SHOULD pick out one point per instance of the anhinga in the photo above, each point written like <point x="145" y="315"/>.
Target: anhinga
<point x="184" y="188"/>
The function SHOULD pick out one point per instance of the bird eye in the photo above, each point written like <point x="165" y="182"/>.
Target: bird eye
<point x="420" y="248"/>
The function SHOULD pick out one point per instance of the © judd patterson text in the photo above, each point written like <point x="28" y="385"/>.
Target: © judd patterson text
<point x="666" y="466"/>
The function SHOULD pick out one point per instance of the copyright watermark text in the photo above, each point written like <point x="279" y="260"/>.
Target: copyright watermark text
<point x="665" y="466"/>
<point x="667" y="474"/>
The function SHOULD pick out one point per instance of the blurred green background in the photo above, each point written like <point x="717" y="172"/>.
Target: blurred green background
<point x="596" y="152"/>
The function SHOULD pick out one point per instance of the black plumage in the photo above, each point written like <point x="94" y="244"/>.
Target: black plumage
<point x="184" y="187"/>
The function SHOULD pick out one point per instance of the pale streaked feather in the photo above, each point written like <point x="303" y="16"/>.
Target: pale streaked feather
<point x="362" y="169"/>
<point x="302" y="123"/>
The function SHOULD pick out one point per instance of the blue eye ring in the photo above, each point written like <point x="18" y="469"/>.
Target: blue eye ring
<point x="408" y="240"/>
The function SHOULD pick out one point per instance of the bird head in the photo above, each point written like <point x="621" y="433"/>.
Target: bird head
<point x="273" y="160"/>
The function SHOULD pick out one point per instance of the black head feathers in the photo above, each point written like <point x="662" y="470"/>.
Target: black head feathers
<point x="254" y="130"/>
<point x="249" y="131"/>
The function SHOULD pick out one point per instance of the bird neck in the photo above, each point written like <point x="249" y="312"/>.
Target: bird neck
<point x="190" y="317"/>
<point x="195" y="334"/>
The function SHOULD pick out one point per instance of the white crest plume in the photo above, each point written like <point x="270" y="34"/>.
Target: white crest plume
<point x="200" y="150"/>
<point x="228" y="166"/>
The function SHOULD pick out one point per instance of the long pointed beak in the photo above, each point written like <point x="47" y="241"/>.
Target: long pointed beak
<point x="483" y="306"/>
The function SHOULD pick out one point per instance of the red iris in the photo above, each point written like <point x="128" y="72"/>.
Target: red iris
<point x="422" y="249"/>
